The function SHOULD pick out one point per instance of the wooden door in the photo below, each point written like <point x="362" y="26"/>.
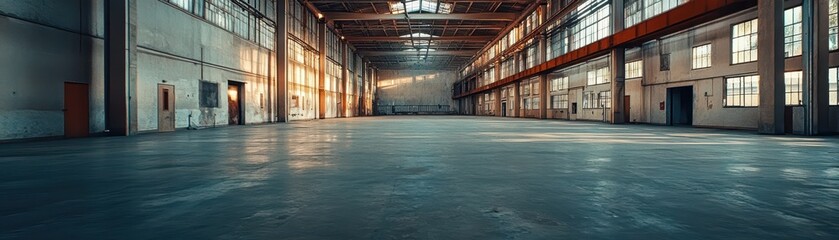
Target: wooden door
<point x="76" y="110"/>
<point x="626" y="108"/>
<point x="166" y="108"/>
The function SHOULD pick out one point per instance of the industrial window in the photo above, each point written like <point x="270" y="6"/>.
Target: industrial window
<point x="508" y="67"/>
<point x="589" y="99"/>
<point x="834" y="24"/>
<point x="208" y="94"/>
<point x="792" y="32"/>
<point x="792" y="81"/>
<point x="532" y="56"/>
<point x="604" y="99"/>
<point x="599" y="76"/>
<point x="664" y="62"/>
<point x="634" y="69"/>
<point x="834" y="86"/>
<point x="234" y="18"/>
<point x="525" y="89"/>
<point x="535" y="87"/>
<point x="742" y="91"/>
<point x="559" y="83"/>
<point x="632" y="10"/>
<point x="701" y="56"/>
<point x="559" y="101"/>
<point x="636" y="11"/>
<point x="535" y="102"/>
<point x="194" y="6"/>
<point x="744" y="42"/>
<point x="559" y="42"/>
<point x="592" y="27"/>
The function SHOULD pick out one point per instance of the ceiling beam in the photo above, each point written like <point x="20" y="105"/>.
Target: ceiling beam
<point x="387" y="1"/>
<point x="413" y="53"/>
<point x="423" y="26"/>
<point x="345" y="16"/>
<point x="402" y="39"/>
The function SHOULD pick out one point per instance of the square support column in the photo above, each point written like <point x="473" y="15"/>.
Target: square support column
<point x="361" y="89"/>
<point x="815" y="66"/>
<point x="344" y="76"/>
<point x="281" y="46"/>
<point x="617" y="61"/>
<point x="771" y="66"/>
<point x="517" y="99"/>
<point x="321" y="69"/>
<point x="497" y="104"/>
<point x="121" y="67"/>
<point x="543" y="96"/>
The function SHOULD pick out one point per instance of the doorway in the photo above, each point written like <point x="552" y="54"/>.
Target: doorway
<point x="626" y="108"/>
<point x="235" y="99"/>
<point x="680" y="107"/>
<point x="76" y="110"/>
<point x="503" y="109"/>
<point x="165" y="108"/>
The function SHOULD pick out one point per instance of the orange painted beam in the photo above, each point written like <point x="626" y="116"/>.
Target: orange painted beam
<point x="689" y="14"/>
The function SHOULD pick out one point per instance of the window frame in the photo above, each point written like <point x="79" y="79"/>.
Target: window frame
<point x="732" y="39"/>
<point x="710" y="56"/>
<point x="743" y="94"/>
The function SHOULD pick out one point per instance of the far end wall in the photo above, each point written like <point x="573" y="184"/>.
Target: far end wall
<point x="416" y="87"/>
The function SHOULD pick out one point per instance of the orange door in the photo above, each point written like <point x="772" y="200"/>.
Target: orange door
<point x="76" y="110"/>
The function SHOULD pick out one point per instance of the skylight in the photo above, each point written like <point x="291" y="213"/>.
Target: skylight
<point x="419" y="6"/>
<point x="420" y="39"/>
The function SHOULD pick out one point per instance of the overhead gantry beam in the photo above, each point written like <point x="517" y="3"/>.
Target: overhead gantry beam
<point x="416" y="53"/>
<point x="345" y="16"/>
<point x="402" y="39"/>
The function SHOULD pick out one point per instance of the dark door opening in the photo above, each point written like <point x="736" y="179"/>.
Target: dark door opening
<point x="76" y="110"/>
<point x="235" y="103"/>
<point x="680" y="106"/>
<point x="503" y="109"/>
<point x="166" y="108"/>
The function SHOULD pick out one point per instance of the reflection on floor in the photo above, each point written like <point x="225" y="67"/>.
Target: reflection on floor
<point x="424" y="178"/>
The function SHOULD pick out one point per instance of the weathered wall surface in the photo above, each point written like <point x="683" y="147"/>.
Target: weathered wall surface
<point x="192" y="50"/>
<point x="44" y="44"/>
<point x="416" y="87"/>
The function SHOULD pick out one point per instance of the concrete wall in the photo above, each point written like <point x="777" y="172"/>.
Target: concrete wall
<point x="182" y="54"/>
<point x="43" y="44"/>
<point x="416" y="87"/>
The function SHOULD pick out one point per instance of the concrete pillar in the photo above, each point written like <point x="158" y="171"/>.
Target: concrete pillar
<point x="281" y="46"/>
<point x="344" y="76"/>
<point x="771" y="66"/>
<point x="361" y="87"/>
<point x="543" y="49"/>
<point x="121" y="67"/>
<point x="543" y="96"/>
<point x="321" y="69"/>
<point x="498" y="68"/>
<point x="617" y="63"/>
<point x="815" y="66"/>
<point x="497" y="104"/>
<point x="517" y="99"/>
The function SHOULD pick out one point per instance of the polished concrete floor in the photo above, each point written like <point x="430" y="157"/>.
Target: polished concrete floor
<point x="423" y="178"/>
